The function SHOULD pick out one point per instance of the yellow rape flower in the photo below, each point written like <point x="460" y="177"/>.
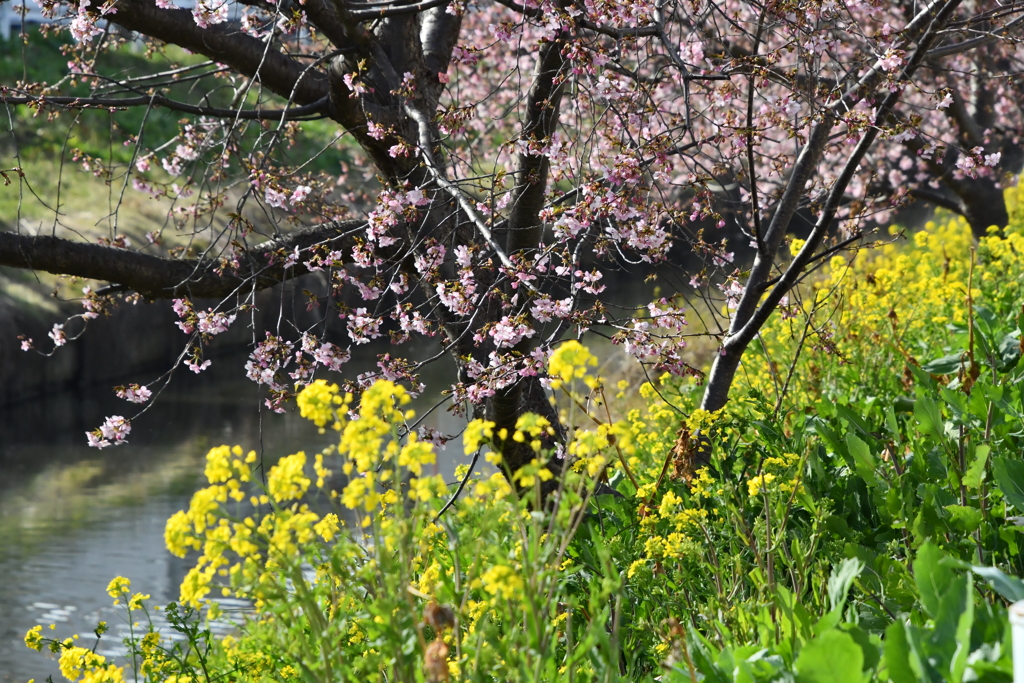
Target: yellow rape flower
<point x="196" y="585"/>
<point x="570" y="361"/>
<point x="218" y="464"/>
<point x="75" y="661"/>
<point x="322" y="472"/>
<point x="761" y="481"/>
<point x="528" y="475"/>
<point x="421" y="488"/>
<point x="287" y="480"/>
<point x="415" y="454"/>
<point x="135" y="602"/>
<point x="34" y="638"/>
<point x="178" y="534"/>
<point x="702" y="483"/>
<point x="477" y="433"/>
<point x="327" y="527"/>
<point x="669" y="502"/>
<point x="118" y="586"/>
<point x="502" y="580"/>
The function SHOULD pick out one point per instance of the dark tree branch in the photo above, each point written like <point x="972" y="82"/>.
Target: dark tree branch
<point x="439" y="31"/>
<point x="392" y="10"/>
<point x="543" y="105"/>
<point x="324" y="16"/>
<point x="966" y="45"/>
<point x="937" y="198"/>
<point x="224" y="44"/>
<point x="617" y="33"/>
<point x="315" y="110"/>
<point x="159" y="277"/>
<point x="754" y="308"/>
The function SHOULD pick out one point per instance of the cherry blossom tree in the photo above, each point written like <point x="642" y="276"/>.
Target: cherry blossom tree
<point x="960" y="151"/>
<point x="524" y="154"/>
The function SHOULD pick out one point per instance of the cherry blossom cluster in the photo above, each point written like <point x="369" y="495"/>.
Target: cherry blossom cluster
<point x="208" y="322"/>
<point x="657" y="338"/>
<point x="113" y="432"/>
<point x="133" y="393"/>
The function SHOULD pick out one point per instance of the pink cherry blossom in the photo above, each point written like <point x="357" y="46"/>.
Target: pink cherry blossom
<point x="57" y="335"/>
<point x="133" y="393"/>
<point x="113" y="432"/>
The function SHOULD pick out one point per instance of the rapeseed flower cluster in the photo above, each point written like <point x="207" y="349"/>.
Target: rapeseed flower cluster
<point x="79" y="662"/>
<point x="571" y="361"/>
<point x="320" y="402"/>
<point x="772" y="475"/>
<point x="874" y="311"/>
<point x="502" y="581"/>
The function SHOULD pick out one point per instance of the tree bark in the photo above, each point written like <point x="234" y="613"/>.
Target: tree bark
<point x="160" y="277"/>
<point x="982" y="204"/>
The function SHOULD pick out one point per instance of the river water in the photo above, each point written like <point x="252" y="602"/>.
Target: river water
<point x="73" y="517"/>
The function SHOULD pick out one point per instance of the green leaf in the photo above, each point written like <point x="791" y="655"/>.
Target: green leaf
<point x="854" y="420"/>
<point x="932" y="576"/>
<point x="1010" y="587"/>
<point x="897" y="654"/>
<point x="1009" y="476"/>
<point x="839" y="584"/>
<point x="1009" y="351"/>
<point x="950" y="641"/>
<point x="921" y="376"/>
<point x="832" y="440"/>
<point x="701" y="652"/>
<point x="966" y="518"/>
<point x="976" y="471"/>
<point x="903" y="404"/>
<point x="842" y="578"/>
<point x="832" y="657"/>
<point x="947" y="365"/>
<point x="868" y="647"/>
<point x="929" y="418"/>
<point x="863" y="460"/>
<point x="890" y="422"/>
<point x="921" y="661"/>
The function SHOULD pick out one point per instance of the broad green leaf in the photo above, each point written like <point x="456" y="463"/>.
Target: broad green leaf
<point x="1009" y="476"/>
<point x="870" y="649"/>
<point x="929" y="418"/>
<point x="1010" y="587"/>
<point x="932" y="576"/>
<point x="958" y="609"/>
<point x="947" y="365"/>
<point x="966" y="518"/>
<point x="903" y="404"/>
<point x="854" y="420"/>
<point x="863" y="460"/>
<point x="701" y="654"/>
<point x="891" y="423"/>
<point x="1009" y="351"/>
<point x="921" y="661"/>
<point x="842" y="578"/>
<point x="897" y="654"/>
<point x="832" y="441"/>
<point x="986" y="319"/>
<point x="921" y="376"/>
<point x="976" y="471"/>
<point x="832" y="657"/>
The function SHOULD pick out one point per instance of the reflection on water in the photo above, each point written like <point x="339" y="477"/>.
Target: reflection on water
<point x="72" y="518"/>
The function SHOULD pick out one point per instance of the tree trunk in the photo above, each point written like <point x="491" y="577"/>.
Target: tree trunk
<point x="982" y="204"/>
